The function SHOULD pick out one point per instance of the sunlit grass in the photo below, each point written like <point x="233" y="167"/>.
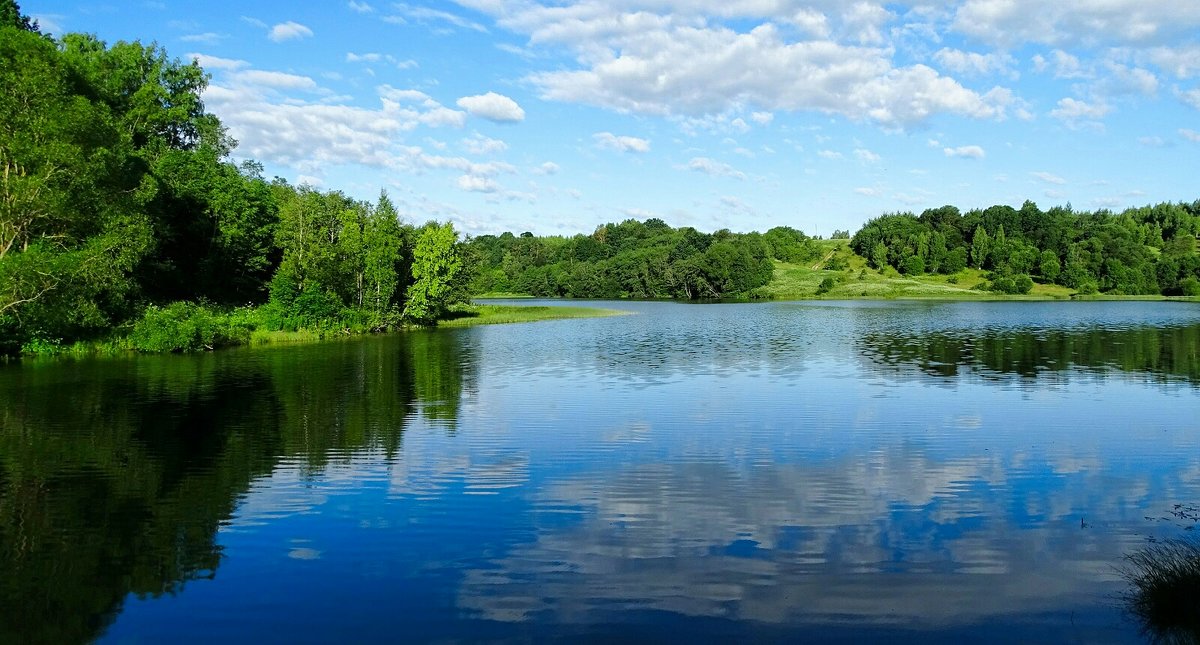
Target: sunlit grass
<point x="470" y="315"/>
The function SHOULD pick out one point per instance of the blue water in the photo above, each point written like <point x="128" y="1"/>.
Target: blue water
<point x="782" y="471"/>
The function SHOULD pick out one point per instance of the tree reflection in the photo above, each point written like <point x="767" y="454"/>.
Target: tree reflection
<point x="116" y="475"/>
<point x="1163" y="353"/>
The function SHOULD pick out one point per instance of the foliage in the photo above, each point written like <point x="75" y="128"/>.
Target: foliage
<point x="437" y="265"/>
<point x="1150" y="250"/>
<point x="826" y="286"/>
<point x="635" y="259"/>
<point x="188" y="327"/>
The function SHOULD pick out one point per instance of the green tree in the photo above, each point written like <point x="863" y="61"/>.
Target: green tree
<point x="981" y="247"/>
<point x="437" y="262"/>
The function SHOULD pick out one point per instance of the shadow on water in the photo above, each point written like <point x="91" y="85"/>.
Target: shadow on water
<point x="115" y="476"/>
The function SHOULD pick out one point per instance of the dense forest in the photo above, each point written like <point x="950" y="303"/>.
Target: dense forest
<point x="636" y="260"/>
<point x="1150" y="250"/>
<point x="121" y="215"/>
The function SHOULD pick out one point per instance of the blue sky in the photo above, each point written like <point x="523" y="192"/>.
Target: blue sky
<point x="555" y="116"/>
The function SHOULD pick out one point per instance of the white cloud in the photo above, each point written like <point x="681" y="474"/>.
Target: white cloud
<point x="1152" y="142"/>
<point x="611" y="141"/>
<point x="426" y="14"/>
<point x="1072" y="111"/>
<point x="214" y="62"/>
<point x="476" y="184"/>
<point x="208" y="37"/>
<point x="714" y="168"/>
<point x="493" y="107"/>
<point x="311" y="136"/>
<point x="829" y="154"/>
<point x="1082" y="22"/>
<point x="547" y="168"/>
<point x="478" y="144"/>
<point x="1049" y="178"/>
<point x="866" y="156"/>
<point x="1181" y="62"/>
<point x="371" y="57"/>
<point x="274" y="80"/>
<point x="869" y="191"/>
<point x="667" y="65"/>
<point x="1190" y="135"/>
<point x="1191" y="97"/>
<point x="965" y="152"/>
<point x="360" y="7"/>
<point x="975" y="64"/>
<point x="289" y="31"/>
<point x="762" y="118"/>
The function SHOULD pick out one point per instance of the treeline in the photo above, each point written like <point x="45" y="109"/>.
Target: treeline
<point x="1150" y="250"/>
<point x="120" y="210"/>
<point x="636" y="260"/>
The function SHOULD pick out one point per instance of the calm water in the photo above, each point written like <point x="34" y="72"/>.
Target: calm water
<point x="828" y="471"/>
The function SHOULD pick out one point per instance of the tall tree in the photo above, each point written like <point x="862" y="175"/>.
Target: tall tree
<point x="437" y="262"/>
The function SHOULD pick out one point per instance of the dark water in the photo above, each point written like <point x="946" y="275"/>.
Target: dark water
<point x="818" y="471"/>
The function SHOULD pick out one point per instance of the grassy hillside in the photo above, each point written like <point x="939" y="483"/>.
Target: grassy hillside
<point x="857" y="280"/>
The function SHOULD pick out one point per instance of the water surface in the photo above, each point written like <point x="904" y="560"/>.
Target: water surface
<point x="827" y="471"/>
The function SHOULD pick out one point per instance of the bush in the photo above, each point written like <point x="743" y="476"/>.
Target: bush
<point x="1011" y="284"/>
<point x="1190" y="286"/>
<point x="825" y="286"/>
<point x="914" y="265"/>
<point x="188" y="327"/>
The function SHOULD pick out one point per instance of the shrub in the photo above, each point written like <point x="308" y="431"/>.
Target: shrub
<point x="1011" y="284"/>
<point x="187" y="327"/>
<point x="825" y="286"/>
<point x="1190" y="286"/>
<point x="914" y="265"/>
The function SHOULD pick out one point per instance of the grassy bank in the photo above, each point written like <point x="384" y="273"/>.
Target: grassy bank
<point x="471" y="315"/>
<point x="191" y="328"/>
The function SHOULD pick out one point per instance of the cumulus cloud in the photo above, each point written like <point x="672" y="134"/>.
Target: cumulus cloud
<point x="1049" y="178"/>
<point x="1191" y="97"/>
<point x="493" y="107"/>
<point x="310" y="136"/>
<point x="714" y="168"/>
<point x="478" y="144"/>
<point x="610" y="141"/>
<point x="360" y="7"/>
<point x="762" y="118"/>
<point x="547" y="168"/>
<point x="1083" y="22"/>
<point x="477" y="184"/>
<point x="274" y="80"/>
<point x="668" y="65"/>
<point x="1190" y="135"/>
<point x="1072" y="111"/>
<point x="975" y="64"/>
<point x="215" y="62"/>
<point x="965" y="152"/>
<point x="289" y="31"/>
<point x="866" y="156"/>
<point x="208" y="37"/>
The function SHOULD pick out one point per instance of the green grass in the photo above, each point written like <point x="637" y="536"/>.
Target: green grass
<point x="800" y="282"/>
<point x="470" y="315"/>
<point x="502" y="295"/>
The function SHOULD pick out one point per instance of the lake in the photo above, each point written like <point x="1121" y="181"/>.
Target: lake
<point x="830" y="471"/>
